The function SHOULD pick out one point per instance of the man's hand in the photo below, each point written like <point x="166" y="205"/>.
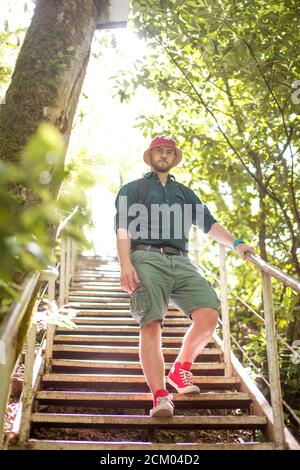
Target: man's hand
<point x="242" y="249"/>
<point x="129" y="278"/>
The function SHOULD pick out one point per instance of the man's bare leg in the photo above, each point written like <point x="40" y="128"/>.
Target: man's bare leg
<point x="151" y="355"/>
<point x="198" y="334"/>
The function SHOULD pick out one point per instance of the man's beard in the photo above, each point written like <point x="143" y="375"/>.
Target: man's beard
<point x="160" y="166"/>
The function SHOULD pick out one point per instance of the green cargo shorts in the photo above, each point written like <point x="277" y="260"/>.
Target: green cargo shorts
<point x="168" y="279"/>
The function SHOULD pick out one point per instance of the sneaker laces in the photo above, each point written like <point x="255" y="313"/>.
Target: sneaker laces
<point x="165" y="400"/>
<point x="186" y="376"/>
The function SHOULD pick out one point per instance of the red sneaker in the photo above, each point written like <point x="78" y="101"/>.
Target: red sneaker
<point x="181" y="378"/>
<point x="163" y="405"/>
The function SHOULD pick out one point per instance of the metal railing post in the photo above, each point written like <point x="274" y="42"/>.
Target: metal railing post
<point x="50" y="275"/>
<point x="225" y="312"/>
<point x="62" y="272"/>
<point x="74" y="255"/>
<point x="273" y="367"/>
<point x="49" y="346"/>
<point x="27" y="394"/>
<point x="68" y="267"/>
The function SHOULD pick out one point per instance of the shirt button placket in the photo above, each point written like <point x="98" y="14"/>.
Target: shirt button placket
<point x="166" y="196"/>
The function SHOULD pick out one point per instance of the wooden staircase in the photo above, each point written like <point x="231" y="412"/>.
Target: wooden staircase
<point x="97" y="385"/>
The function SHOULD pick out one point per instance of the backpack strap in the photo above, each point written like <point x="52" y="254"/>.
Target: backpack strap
<point x="142" y="190"/>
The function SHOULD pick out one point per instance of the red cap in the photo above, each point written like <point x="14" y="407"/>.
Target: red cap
<point x="162" y="140"/>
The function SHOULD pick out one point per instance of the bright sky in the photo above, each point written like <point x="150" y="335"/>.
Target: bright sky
<point x="108" y="130"/>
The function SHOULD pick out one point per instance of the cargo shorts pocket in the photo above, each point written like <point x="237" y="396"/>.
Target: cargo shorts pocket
<point x="139" y="302"/>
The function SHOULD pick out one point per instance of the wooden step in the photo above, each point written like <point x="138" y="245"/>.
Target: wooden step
<point x="120" y="366"/>
<point x="136" y="383"/>
<point x="82" y="271"/>
<point x="94" y="284"/>
<point x="122" y="352"/>
<point x="113" y="280"/>
<point x="146" y="422"/>
<point x="86" y="270"/>
<point x="103" y="319"/>
<point x="47" y="444"/>
<point x="143" y="400"/>
<point x="99" y="313"/>
<point x="92" y="306"/>
<point x="130" y="350"/>
<point x="172" y="341"/>
<point x="86" y="284"/>
<point x="111" y="378"/>
<point x="97" y="294"/>
<point x="97" y="270"/>
<point x="96" y="274"/>
<point x="116" y="329"/>
<point x="98" y="289"/>
<point x="97" y="260"/>
<point x="98" y="300"/>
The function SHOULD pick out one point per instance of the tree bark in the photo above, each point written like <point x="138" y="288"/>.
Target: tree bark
<point x="48" y="77"/>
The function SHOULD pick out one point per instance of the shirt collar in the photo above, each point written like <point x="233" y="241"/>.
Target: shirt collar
<point x="152" y="174"/>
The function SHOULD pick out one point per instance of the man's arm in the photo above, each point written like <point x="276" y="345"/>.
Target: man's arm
<point x="128" y="277"/>
<point x="223" y="236"/>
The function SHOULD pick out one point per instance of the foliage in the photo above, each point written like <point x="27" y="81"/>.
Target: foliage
<point x="10" y="42"/>
<point x="25" y="239"/>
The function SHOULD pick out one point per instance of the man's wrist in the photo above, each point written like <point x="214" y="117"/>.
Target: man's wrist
<point x="125" y="263"/>
<point x="236" y="242"/>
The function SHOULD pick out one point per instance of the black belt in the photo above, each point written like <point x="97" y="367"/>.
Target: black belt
<point x="161" y="249"/>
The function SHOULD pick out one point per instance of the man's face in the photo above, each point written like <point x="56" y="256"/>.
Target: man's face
<point x="162" y="158"/>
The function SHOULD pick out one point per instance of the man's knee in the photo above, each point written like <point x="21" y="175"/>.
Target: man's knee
<point x="205" y="315"/>
<point x="153" y="326"/>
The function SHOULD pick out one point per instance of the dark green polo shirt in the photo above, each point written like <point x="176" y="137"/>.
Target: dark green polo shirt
<point x="148" y="225"/>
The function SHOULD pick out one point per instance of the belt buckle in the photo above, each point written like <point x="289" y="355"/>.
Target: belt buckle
<point x="161" y="249"/>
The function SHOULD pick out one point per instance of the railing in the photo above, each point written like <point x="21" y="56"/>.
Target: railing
<point x="267" y="272"/>
<point x="35" y="361"/>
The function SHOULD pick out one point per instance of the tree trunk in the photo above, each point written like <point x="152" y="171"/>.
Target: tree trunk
<point x="48" y="77"/>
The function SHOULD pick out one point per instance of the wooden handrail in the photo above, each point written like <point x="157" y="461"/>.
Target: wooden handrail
<point x="225" y="311"/>
<point x="11" y="323"/>
<point x="289" y="281"/>
<point x="9" y="332"/>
